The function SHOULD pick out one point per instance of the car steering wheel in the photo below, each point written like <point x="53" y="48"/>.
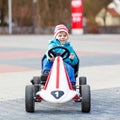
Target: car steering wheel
<point x="65" y="54"/>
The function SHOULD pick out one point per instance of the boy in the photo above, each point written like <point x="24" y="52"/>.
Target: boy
<point x="61" y="37"/>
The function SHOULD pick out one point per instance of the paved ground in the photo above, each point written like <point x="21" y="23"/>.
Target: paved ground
<point x="100" y="62"/>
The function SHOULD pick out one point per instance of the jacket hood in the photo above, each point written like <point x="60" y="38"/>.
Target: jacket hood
<point x="56" y="41"/>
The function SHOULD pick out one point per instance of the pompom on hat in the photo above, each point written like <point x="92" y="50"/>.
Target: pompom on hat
<point x="60" y="28"/>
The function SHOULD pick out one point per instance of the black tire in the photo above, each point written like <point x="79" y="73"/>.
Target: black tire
<point x="86" y="98"/>
<point x="82" y="80"/>
<point x="36" y="81"/>
<point x="29" y="98"/>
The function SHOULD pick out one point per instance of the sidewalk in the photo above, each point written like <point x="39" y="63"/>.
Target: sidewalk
<point x="20" y="58"/>
<point x="20" y="61"/>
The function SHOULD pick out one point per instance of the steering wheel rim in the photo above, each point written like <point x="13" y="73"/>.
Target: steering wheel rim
<point x="65" y="54"/>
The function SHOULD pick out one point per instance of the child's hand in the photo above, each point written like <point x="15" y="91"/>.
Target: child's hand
<point x="71" y="56"/>
<point x="52" y="58"/>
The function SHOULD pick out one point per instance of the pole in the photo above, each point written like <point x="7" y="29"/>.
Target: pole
<point x="33" y="15"/>
<point x="77" y="16"/>
<point x="10" y="15"/>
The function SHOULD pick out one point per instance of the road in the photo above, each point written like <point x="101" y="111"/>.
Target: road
<point x="20" y="58"/>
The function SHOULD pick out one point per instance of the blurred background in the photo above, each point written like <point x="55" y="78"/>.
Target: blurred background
<point x="41" y="16"/>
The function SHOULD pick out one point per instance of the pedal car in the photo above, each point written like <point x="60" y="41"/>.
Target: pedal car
<point x="56" y="87"/>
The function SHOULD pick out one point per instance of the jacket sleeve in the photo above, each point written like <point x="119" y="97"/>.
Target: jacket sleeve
<point x="50" y="45"/>
<point x="75" y="60"/>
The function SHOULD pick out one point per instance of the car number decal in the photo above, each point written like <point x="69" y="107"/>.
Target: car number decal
<point x="57" y="94"/>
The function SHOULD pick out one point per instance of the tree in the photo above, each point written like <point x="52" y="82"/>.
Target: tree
<point x="48" y="12"/>
<point x="53" y="12"/>
<point x="22" y="12"/>
<point x="3" y="12"/>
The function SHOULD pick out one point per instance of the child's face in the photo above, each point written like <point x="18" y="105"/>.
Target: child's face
<point x="62" y="37"/>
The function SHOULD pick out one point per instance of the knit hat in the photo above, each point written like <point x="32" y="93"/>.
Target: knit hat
<point x="60" y="28"/>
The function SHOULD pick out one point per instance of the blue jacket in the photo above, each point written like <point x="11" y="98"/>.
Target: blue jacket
<point x="55" y="42"/>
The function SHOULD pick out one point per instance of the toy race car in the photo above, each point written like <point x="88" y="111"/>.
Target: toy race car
<point x="56" y="87"/>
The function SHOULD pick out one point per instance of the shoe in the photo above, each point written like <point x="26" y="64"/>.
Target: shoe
<point x="46" y="72"/>
<point x="73" y="85"/>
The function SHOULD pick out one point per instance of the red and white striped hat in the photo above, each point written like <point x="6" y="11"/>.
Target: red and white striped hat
<point x="60" y="28"/>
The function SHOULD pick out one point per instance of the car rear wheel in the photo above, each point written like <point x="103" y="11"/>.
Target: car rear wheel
<point x="36" y="83"/>
<point x="82" y="80"/>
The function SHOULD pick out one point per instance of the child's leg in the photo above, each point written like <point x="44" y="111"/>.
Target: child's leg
<point x="46" y="65"/>
<point x="71" y="75"/>
<point x="70" y="71"/>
